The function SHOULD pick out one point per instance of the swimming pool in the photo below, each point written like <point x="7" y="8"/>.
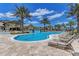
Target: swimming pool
<point x="34" y="36"/>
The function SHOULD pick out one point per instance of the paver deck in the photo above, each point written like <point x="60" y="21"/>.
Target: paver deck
<point x="10" y="48"/>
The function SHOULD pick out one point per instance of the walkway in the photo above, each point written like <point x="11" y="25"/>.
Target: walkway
<point x="75" y="46"/>
<point x="10" y="48"/>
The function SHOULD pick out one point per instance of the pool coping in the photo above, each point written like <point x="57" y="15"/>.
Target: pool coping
<point x="48" y="39"/>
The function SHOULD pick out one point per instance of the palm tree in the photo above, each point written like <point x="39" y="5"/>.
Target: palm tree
<point x="64" y="27"/>
<point x="50" y="27"/>
<point x="45" y="21"/>
<point x="22" y="13"/>
<point x="74" y="11"/>
<point x="58" y="27"/>
<point x="71" y="23"/>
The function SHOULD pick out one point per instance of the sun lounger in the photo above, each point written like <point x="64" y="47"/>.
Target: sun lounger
<point x="65" y="35"/>
<point x="60" y="44"/>
<point x="67" y="38"/>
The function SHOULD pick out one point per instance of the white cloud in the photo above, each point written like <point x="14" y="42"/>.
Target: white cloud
<point x="75" y="26"/>
<point x="69" y="18"/>
<point x="41" y="12"/>
<point x="26" y="24"/>
<point x="39" y="17"/>
<point x="33" y="22"/>
<point x="56" y="15"/>
<point x="62" y="23"/>
<point x="1" y="15"/>
<point x="7" y="14"/>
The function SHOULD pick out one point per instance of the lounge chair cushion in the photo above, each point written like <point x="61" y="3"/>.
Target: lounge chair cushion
<point x="57" y="43"/>
<point x="67" y="38"/>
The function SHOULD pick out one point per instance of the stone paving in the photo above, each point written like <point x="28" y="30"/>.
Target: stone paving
<point x="10" y="48"/>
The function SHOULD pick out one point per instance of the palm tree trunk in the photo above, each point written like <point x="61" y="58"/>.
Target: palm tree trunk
<point x="70" y="27"/>
<point x="78" y="24"/>
<point x="21" y="25"/>
<point x="44" y="27"/>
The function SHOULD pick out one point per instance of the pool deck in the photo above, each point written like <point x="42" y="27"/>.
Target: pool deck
<point x="11" y="48"/>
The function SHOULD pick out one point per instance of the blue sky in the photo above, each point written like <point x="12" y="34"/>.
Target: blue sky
<point x="56" y="13"/>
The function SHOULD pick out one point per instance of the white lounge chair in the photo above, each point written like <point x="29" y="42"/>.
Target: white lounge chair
<point x="61" y="44"/>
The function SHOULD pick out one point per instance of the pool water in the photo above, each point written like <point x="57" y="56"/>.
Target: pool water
<point x="34" y="36"/>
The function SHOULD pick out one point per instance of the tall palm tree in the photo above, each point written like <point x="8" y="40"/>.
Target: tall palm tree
<point x="50" y="27"/>
<point x="44" y="21"/>
<point x="22" y="13"/>
<point x="74" y="11"/>
<point x="58" y="27"/>
<point x="64" y="27"/>
<point x="71" y="23"/>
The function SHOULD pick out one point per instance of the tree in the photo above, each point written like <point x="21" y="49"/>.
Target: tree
<point x="22" y="13"/>
<point x="74" y="11"/>
<point x="71" y="23"/>
<point x="58" y="27"/>
<point x="50" y="27"/>
<point x="64" y="26"/>
<point x="44" y="21"/>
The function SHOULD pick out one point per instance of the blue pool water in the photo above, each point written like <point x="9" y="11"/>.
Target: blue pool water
<point x="35" y="36"/>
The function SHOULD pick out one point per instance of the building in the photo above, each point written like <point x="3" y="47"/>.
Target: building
<point x="1" y="26"/>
